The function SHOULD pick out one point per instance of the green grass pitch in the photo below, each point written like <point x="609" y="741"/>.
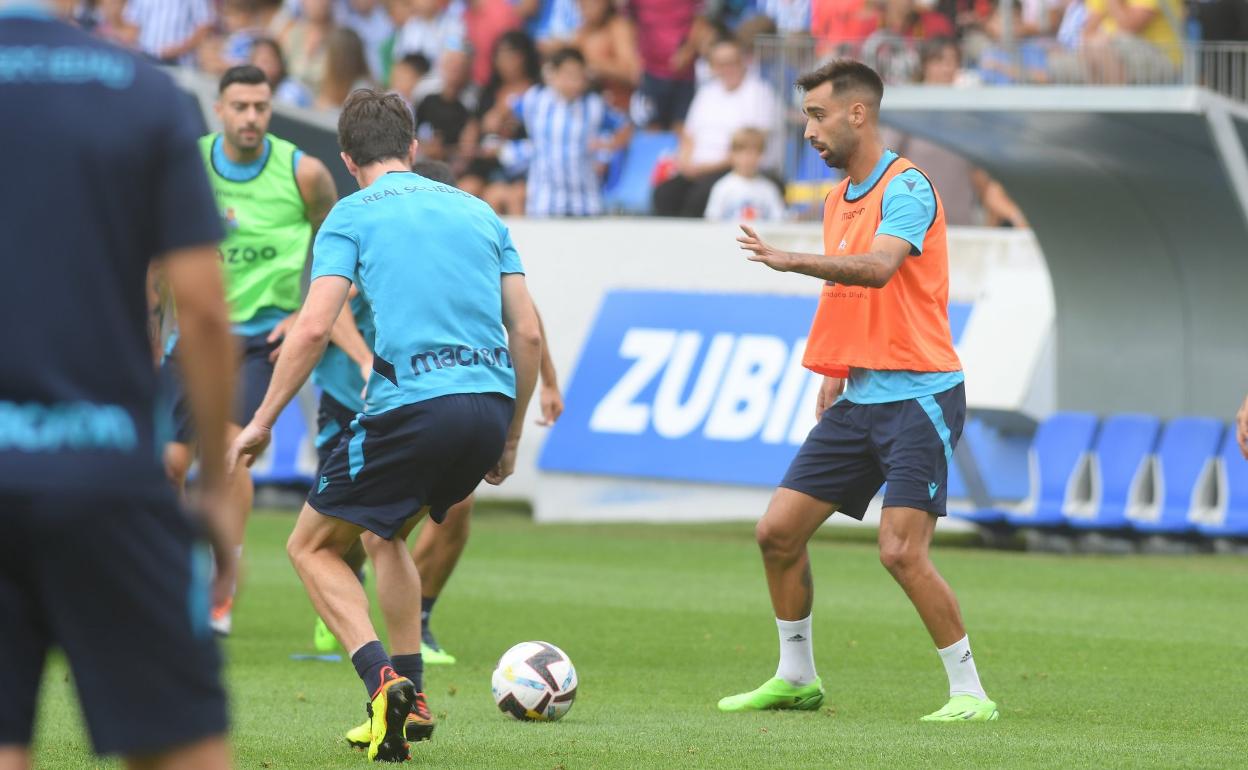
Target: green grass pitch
<point x="1095" y="662"/>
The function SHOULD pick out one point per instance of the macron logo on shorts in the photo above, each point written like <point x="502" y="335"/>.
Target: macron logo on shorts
<point x="931" y="490"/>
<point x="323" y="483"/>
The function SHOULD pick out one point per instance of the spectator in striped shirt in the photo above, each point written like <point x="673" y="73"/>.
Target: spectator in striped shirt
<point x="169" y="30"/>
<point x="571" y="132"/>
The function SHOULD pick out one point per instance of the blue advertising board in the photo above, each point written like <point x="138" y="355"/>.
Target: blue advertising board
<point x="692" y="387"/>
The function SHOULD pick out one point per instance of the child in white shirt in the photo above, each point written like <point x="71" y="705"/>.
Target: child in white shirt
<point x="743" y="194"/>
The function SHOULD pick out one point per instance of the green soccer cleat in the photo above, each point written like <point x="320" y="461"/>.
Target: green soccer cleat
<point x="435" y="656"/>
<point x="323" y="640"/>
<point x="388" y="718"/>
<point x="776" y="694"/>
<point x="965" y="708"/>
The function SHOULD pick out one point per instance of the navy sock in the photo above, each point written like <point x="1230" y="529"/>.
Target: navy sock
<point x="369" y="661"/>
<point x="426" y="609"/>
<point x="412" y="667"/>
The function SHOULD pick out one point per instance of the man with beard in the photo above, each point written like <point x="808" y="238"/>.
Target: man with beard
<point x="272" y="198"/>
<point x="881" y="335"/>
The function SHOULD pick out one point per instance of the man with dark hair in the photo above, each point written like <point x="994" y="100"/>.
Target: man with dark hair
<point x="96" y="557"/>
<point x="271" y="197"/>
<point x="455" y="362"/>
<point x="881" y="333"/>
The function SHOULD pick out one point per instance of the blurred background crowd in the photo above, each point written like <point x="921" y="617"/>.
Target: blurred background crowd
<point x="538" y="105"/>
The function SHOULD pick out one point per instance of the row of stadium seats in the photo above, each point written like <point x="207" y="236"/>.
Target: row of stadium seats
<point x="1130" y="474"/>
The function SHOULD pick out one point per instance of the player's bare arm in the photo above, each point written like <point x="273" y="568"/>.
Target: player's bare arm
<point x="304" y="346"/>
<point x="524" y="341"/>
<point x="551" y="399"/>
<point x="872" y="270"/>
<point x="206" y="358"/>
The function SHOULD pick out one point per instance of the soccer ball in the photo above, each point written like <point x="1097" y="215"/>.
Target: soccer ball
<point x="534" y="681"/>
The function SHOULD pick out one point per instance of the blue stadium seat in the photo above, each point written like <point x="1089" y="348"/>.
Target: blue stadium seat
<point x="1119" y="466"/>
<point x="629" y="190"/>
<point x="1182" y="471"/>
<point x="1231" y="515"/>
<point x="1058" y="452"/>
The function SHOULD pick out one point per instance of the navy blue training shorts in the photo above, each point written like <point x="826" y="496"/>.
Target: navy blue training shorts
<point x="390" y="465"/>
<point x="856" y="448"/>
<point x="254" y="373"/>
<point x="121" y="586"/>
<point x="333" y="420"/>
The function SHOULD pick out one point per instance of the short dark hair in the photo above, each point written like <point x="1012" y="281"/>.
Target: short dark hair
<point x="565" y="55"/>
<point x="417" y="61"/>
<point x="435" y="170"/>
<point x="374" y="126"/>
<point x="845" y="75"/>
<point x="248" y="74"/>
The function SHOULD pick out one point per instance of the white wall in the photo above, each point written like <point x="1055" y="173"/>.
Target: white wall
<point x="571" y="264"/>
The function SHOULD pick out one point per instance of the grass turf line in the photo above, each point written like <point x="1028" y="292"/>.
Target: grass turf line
<point x="1095" y="662"/>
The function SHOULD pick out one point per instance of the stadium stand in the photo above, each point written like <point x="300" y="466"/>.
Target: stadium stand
<point x="1183" y="477"/>
<point x="1228" y="517"/>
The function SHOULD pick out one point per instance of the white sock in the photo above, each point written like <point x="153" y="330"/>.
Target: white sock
<point x="797" y="655"/>
<point x="960" y="666"/>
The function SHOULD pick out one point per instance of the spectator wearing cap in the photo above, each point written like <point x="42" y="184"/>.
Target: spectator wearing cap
<point x="733" y="99"/>
<point x="569" y="129"/>
<point x="169" y="30"/>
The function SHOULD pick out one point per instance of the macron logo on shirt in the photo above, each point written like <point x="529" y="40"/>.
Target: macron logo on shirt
<point x="459" y="355"/>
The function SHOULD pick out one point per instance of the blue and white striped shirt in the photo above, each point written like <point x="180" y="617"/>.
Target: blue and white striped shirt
<point x="563" y="179"/>
<point x="166" y="23"/>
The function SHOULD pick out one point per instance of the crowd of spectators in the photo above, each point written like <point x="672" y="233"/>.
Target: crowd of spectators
<point x="530" y="101"/>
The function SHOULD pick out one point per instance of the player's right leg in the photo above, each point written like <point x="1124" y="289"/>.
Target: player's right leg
<point x="316" y="547"/>
<point x="834" y="470"/>
<point x="791" y="519"/>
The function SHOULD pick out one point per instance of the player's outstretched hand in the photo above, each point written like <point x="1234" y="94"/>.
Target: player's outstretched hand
<point x="1241" y="428"/>
<point x="552" y="405"/>
<point x="506" y="464"/>
<point x="762" y="252"/>
<point x="247" y="447"/>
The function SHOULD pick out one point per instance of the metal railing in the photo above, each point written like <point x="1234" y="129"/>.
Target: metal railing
<point x="1219" y="67"/>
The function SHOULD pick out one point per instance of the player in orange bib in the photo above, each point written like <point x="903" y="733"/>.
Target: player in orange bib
<point x="880" y="335"/>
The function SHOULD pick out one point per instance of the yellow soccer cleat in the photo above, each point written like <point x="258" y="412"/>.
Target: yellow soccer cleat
<point x="419" y="726"/>
<point x="388" y="718"/>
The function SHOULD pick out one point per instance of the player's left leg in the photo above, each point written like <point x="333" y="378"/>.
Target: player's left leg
<point x="905" y="537"/>
<point x="437" y="551"/>
<point x="240" y="491"/>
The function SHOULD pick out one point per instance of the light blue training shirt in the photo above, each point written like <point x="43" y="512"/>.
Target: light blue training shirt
<point x="428" y="259"/>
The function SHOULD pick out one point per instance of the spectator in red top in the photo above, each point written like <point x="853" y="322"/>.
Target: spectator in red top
<point x="840" y="26"/>
<point x="667" y="86"/>
<point x="486" y="22"/>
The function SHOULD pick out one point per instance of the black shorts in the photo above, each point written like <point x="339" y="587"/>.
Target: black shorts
<point x="121" y="586"/>
<point x="390" y="465"/>
<point x="856" y="448"/>
<point x="333" y="420"/>
<point x="254" y="373"/>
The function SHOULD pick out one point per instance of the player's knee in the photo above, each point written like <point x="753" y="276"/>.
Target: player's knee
<point x="775" y="542"/>
<point x="900" y="557"/>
